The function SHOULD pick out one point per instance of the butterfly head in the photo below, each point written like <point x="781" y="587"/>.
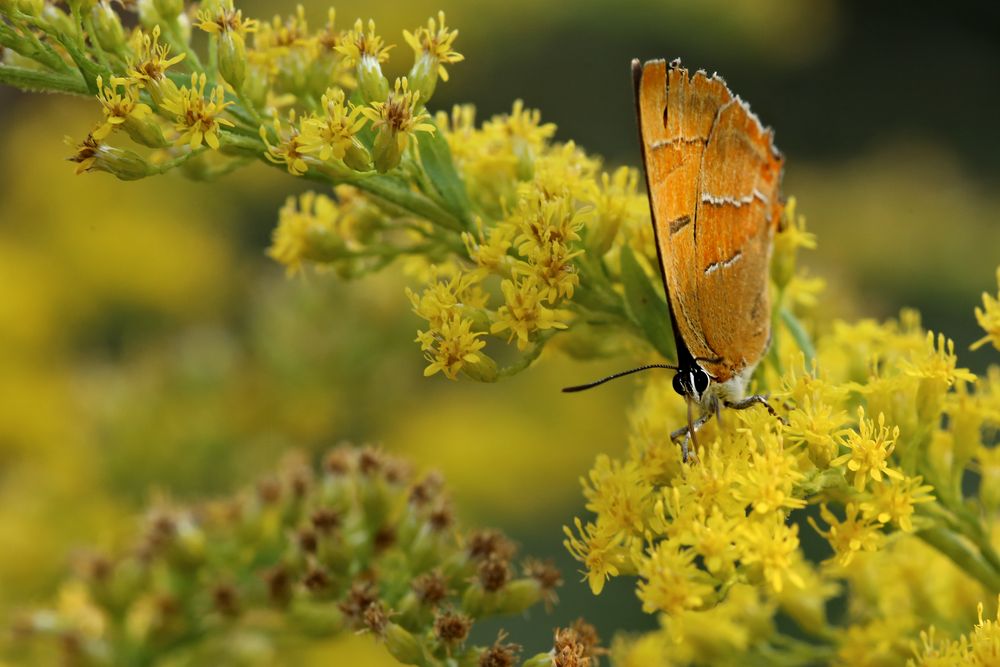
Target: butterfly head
<point x="692" y="382"/>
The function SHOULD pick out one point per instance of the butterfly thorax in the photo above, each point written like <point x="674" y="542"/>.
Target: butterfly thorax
<point x="694" y="383"/>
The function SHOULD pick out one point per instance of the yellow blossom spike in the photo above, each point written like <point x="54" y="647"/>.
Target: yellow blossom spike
<point x="197" y="119"/>
<point x="150" y="63"/>
<point x="870" y="449"/>
<point x="331" y="135"/>
<point x="288" y="151"/>
<point x="396" y="121"/>
<point x="433" y="49"/>
<point x="224" y="18"/>
<point x="126" y="111"/>
<point x="989" y="319"/>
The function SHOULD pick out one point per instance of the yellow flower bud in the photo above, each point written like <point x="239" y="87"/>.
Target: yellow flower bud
<point x="540" y="660"/>
<point x="372" y="83"/>
<point x="423" y="76"/>
<point x="91" y="155"/>
<point x="107" y="27"/>
<point x="388" y="148"/>
<point x="518" y="595"/>
<point x="169" y="9"/>
<point x="357" y="157"/>
<point x="403" y="646"/>
<point x="482" y="370"/>
<point x="232" y="58"/>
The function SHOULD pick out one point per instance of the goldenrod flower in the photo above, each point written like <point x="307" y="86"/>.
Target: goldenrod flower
<point x="288" y="151"/>
<point x="489" y="249"/>
<point x="432" y="49"/>
<point x="396" y="120"/>
<point x="771" y="547"/>
<point x="989" y="319"/>
<point x="197" y="119"/>
<point x="92" y="155"/>
<point x="895" y="500"/>
<point x="854" y="534"/>
<point x="769" y="481"/>
<point x="548" y="225"/>
<point x="332" y="133"/>
<point x="523" y="312"/>
<point x="450" y="346"/>
<point x="670" y="581"/>
<point x="128" y="112"/>
<point x="616" y="492"/>
<point x="304" y="229"/>
<point x="791" y="236"/>
<point x="223" y="17"/>
<point x="435" y="41"/>
<point x="600" y="552"/>
<point x="358" y="44"/>
<point x="870" y="451"/>
<point x="365" y="50"/>
<point x="227" y="25"/>
<point x="149" y="67"/>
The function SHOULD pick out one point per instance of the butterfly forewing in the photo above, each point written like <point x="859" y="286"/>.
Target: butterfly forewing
<point x="713" y="179"/>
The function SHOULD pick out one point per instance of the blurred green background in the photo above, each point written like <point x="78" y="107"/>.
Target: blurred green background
<point x="147" y="345"/>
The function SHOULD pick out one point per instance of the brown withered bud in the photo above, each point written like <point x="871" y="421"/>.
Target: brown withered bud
<point x="340" y="461"/>
<point x="307" y="541"/>
<point x="269" y="491"/>
<point x="370" y="460"/>
<point x="426" y="490"/>
<point x="325" y="521"/>
<point x="299" y="481"/>
<point x="577" y="645"/>
<point x="395" y="471"/>
<point x="490" y="542"/>
<point x="279" y="584"/>
<point x="500" y="654"/>
<point x="225" y="600"/>
<point x="430" y="588"/>
<point x="375" y="618"/>
<point x="548" y="577"/>
<point x="94" y="567"/>
<point x="452" y="628"/>
<point x="441" y="518"/>
<point x="493" y="573"/>
<point x="161" y="532"/>
<point x="316" y="579"/>
<point x="384" y="538"/>
<point x="362" y="595"/>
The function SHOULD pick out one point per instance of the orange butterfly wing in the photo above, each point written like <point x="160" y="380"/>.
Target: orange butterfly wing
<point x="714" y="180"/>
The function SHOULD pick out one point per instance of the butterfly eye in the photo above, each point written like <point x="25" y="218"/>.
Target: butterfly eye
<point x="679" y="385"/>
<point x="700" y="381"/>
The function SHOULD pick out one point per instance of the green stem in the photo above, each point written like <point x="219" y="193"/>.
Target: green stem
<point x="527" y="359"/>
<point x="41" y="81"/>
<point x="948" y="544"/>
<point x="179" y="160"/>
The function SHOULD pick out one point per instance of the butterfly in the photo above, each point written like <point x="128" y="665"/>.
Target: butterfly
<point x="714" y="179"/>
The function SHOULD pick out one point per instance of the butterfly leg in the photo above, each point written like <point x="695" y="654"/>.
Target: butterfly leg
<point x="684" y="434"/>
<point x="756" y="399"/>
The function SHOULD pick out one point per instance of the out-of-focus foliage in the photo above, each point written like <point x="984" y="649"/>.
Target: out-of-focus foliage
<point x="360" y="545"/>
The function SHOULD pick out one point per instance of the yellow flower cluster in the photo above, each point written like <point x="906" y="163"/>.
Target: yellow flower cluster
<point x="978" y="649"/>
<point x="882" y="425"/>
<point x="331" y="233"/>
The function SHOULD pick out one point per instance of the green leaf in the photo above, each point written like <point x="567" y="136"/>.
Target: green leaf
<point x="798" y="334"/>
<point x="645" y="307"/>
<point x="435" y="156"/>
